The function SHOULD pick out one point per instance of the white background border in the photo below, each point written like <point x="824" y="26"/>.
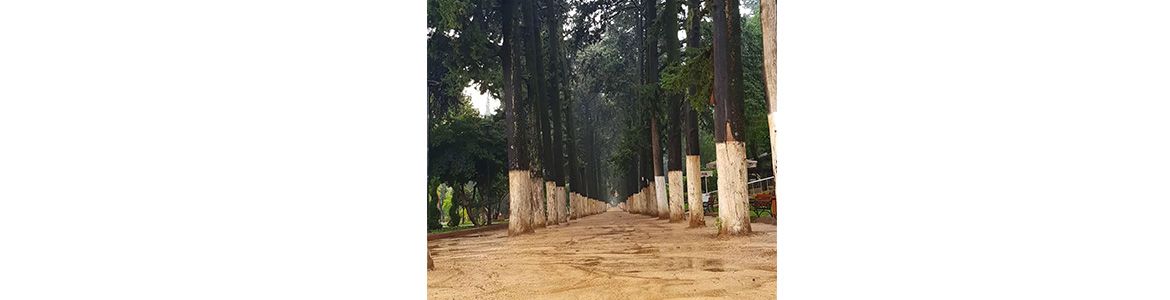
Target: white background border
<point x="274" y="149"/>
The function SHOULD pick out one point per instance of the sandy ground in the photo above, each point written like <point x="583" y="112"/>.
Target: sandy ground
<point x="613" y="255"/>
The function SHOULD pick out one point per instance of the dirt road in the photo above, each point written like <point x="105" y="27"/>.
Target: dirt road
<point x="613" y="255"/>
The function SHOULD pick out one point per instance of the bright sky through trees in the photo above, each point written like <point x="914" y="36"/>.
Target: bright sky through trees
<point x="484" y="103"/>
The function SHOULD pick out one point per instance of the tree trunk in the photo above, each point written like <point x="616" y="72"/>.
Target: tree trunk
<point x="538" y="195"/>
<point x="472" y="207"/>
<point x="557" y="205"/>
<point x="658" y="185"/>
<point x="673" y="127"/>
<point x="550" y="193"/>
<point x="516" y="130"/>
<point x="536" y="92"/>
<point x="598" y="183"/>
<point x="575" y="181"/>
<point x="694" y="177"/>
<point x="768" y="18"/>
<point x="730" y="154"/>
<point x="661" y="209"/>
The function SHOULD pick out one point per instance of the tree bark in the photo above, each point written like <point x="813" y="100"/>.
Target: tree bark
<point x="537" y="95"/>
<point x="731" y="157"/>
<point x="661" y="208"/>
<point x="576" y="181"/>
<point x="768" y="18"/>
<point x="658" y="185"/>
<point x="694" y="175"/>
<point x="556" y="206"/>
<point x="516" y="131"/>
<point x="674" y="164"/>
<point x="538" y="195"/>
<point x="472" y="207"/>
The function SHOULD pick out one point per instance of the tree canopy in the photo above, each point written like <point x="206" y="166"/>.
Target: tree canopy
<point x="600" y="70"/>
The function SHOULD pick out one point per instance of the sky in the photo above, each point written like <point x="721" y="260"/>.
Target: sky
<point x="484" y="103"/>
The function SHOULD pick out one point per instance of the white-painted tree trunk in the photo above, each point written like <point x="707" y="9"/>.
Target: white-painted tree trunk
<point x="651" y="199"/>
<point x="537" y="202"/>
<point x="563" y="199"/>
<point x="643" y="208"/>
<point x="642" y="202"/>
<point x="633" y="202"/>
<point x="694" y="192"/>
<point x="731" y="162"/>
<point x="519" y="194"/>
<point x="676" y="195"/>
<point x="573" y="202"/>
<point x="562" y="202"/>
<point x="574" y="207"/>
<point x="638" y="207"/>
<point x="550" y="208"/>
<point x="587" y="203"/>
<point x="768" y="26"/>
<point x="663" y="207"/>
<point x="643" y="199"/>
<point x="646" y="200"/>
<point x="544" y="197"/>
<point x="556" y="208"/>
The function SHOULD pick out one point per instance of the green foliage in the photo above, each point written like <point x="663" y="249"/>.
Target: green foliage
<point x="706" y="146"/>
<point x="453" y="215"/>
<point x="462" y="47"/>
<point x="464" y="147"/>
<point x="444" y="15"/>
<point x="606" y="83"/>
<point x="693" y="73"/>
<point x="446" y="194"/>
<point x="755" y="104"/>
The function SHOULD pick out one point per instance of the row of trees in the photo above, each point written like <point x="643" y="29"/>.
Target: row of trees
<point x="520" y="53"/>
<point x="677" y="90"/>
<point x="593" y="91"/>
<point x="547" y="85"/>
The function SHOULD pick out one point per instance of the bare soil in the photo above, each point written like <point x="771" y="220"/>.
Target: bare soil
<point x="612" y="255"/>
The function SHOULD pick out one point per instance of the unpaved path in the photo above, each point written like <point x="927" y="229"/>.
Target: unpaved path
<point x="613" y="255"/>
